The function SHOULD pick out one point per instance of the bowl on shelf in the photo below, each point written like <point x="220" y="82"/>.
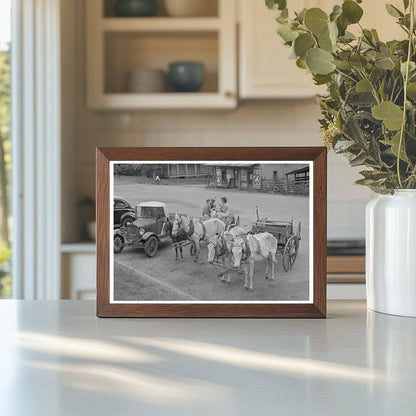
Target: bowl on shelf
<point x="186" y="76"/>
<point x="147" y="80"/>
<point x="191" y="8"/>
<point x="135" y="8"/>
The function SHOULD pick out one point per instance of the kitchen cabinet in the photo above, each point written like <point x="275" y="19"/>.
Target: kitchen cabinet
<point x="116" y="46"/>
<point x="265" y="70"/>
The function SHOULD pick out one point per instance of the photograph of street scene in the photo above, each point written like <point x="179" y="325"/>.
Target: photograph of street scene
<point x="215" y="232"/>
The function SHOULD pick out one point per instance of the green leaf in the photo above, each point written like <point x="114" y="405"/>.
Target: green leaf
<point x="348" y="37"/>
<point x="385" y="63"/>
<point x="303" y="43"/>
<point x="343" y="65"/>
<point x="363" y="86"/>
<point x="276" y="4"/>
<point x="284" y="14"/>
<point x="301" y="63"/>
<point x="374" y="175"/>
<point x="393" y="11"/>
<point x="343" y="145"/>
<point x="325" y="43"/>
<point x="391" y="114"/>
<point x="321" y="79"/>
<point x="394" y="145"/>
<point x="336" y="12"/>
<point x="300" y="17"/>
<point x="368" y="36"/>
<point x="319" y="61"/>
<point x="375" y="35"/>
<point x="286" y="32"/>
<point x="358" y="61"/>
<point x="351" y="11"/>
<point x="342" y="25"/>
<point x="411" y="90"/>
<point x="374" y="150"/>
<point x="364" y="181"/>
<point x="316" y="20"/>
<point x="412" y="67"/>
<point x="406" y="4"/>
<point x="358" y="160"/>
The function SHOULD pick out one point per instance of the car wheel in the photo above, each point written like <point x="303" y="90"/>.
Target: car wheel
<point x="118" y="244"/>
<point x="151" y="246"/>
<point x="127" y="221"/>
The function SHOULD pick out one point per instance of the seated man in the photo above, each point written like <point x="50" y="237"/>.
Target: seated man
<point x="206" y="212"/>
<point x="224" y="213"/>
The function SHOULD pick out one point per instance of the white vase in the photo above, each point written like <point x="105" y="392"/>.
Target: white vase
<point x="391" y="253"/>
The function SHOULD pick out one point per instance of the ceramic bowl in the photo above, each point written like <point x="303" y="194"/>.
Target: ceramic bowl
<point x="135" y="8"/>
<point x="147" y="80"/>
<point x="186" y="76"/>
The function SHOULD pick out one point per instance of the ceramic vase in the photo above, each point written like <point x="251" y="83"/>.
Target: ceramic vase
<point x="391" y="253"/>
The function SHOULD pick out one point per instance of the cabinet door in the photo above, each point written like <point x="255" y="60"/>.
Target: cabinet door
<point x="265" y="68"/>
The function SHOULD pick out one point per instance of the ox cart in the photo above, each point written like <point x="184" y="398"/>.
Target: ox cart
<point x="287" y="237"/>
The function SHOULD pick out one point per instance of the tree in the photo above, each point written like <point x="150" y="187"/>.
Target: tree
<point x="5" y="159"/>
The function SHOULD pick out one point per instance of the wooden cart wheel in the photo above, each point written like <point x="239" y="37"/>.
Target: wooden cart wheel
<point x="118" y="244"/>
<point x="290" y="252"/>
<point x="151" y="246"/>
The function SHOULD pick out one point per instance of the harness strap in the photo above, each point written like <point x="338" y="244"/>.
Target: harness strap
<point x="191" y="228"/>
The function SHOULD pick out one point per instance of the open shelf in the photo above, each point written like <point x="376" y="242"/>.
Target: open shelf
<point x="211" y="9"/>
<point x="116" y="46"/>
<point x="127" y="51"/>
<point x="160" y="24"/>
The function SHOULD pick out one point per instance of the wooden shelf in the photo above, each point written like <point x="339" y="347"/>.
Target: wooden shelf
<point x="163" y="101"/>
<point x="159" y="24"/>
<point x="81" y="247"/>
<point x="116" y="46"/>
<point x="346" y="264"/>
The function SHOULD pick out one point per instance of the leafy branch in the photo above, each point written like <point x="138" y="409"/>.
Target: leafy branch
<point x="369" y="113"/>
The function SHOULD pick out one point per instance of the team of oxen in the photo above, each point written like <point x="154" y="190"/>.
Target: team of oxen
<point x="228" y="245"/>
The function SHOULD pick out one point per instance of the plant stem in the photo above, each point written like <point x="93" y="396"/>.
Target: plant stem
<point x="345" y="75"/>
<point x="406" y="80"/>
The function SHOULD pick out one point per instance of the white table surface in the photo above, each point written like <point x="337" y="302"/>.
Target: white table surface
<point x="56" y="358"/>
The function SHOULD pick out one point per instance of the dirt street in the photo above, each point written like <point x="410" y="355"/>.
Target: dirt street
<point x="162" y="278"/>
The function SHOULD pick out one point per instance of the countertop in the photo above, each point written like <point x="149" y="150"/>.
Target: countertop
<point x="57" y="358"/>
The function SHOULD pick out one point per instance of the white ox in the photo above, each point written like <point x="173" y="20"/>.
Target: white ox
<point x="220" y="246"/>
<point x="257" y="247"/>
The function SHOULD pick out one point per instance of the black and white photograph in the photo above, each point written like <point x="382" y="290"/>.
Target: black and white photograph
<point x="211" y="232"/>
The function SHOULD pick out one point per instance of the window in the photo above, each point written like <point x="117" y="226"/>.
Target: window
<point x="119" y="204"/>
<point x="5" y="159"/>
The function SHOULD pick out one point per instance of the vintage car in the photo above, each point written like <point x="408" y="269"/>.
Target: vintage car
<point x="148" y="231"/>
<point x="124" y="213"/>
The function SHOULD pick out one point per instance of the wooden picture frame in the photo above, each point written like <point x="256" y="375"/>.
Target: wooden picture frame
<point x="314" y="308"/>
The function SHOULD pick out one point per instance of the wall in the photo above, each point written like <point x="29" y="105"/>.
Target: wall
<point x="265" y="123"/>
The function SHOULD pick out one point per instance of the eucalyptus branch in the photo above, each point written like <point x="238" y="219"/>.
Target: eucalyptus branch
<point x="378" y="121"/>
<point x="346" y="75"/>
<point x="405" y="81"/>
<point x="373" y="89"/>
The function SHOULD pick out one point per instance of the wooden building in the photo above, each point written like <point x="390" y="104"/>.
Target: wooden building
<point x="187" y="170"/>
<point x="279" y="178"/>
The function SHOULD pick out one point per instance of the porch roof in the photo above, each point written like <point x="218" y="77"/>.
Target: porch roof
<point x="301" y="170"/>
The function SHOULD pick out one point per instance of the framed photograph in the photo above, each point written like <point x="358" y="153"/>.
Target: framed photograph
<point x="211" y="232"/>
